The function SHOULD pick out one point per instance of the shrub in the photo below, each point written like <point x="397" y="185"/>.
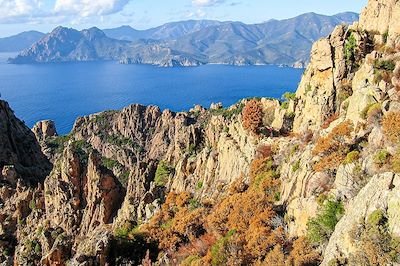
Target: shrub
<point x="376" y="245"/>
<point x="387" y="65"/>
<point x="351" y="157"/>
<point x="162" y="174"/>
<point x="350" y="50"/>
<point x="296" y="166"/>
<point x="253" y="116"/>
<point x="332" y="148"/>
<point x="329" y="120"/>
<point x="396" y="161"/>
<point x="320" y="228"/>
<point x="391" y="126"/>
<point x="289" y="96"/>
<point x="381" y="157"/>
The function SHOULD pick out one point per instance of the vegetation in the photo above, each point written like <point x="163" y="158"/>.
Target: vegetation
<point x="333" y="148"/>
<point x="352" y="157"/>
<point x="350" y="50"/>
<point x="289" y="96"/>
<point x="387" y="65"/>
<point x="228" y="113"/>
<point x="253" y="117"/>
<point x="381" y="157"/>
<point x="241" y="228"/>
<point x="376" y="245"/>
<point x="391" y="126"/>
<point x="162" y="173"/>
<point x="320" y="228"/>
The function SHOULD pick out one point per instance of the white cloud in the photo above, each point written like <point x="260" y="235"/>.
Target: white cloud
<point x="207" y="2"/>
<point x="15" y="10"/>
<point x="87" y="8"/>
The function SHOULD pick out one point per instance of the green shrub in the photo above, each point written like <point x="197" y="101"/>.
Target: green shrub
<point x="285" y="105"/>
<point x="381" y="157"/>
<point x="289" y="96"/>
<point x="351" y="157"/>
<point x="296" y="166"/>
<point x="199" y="185"/>
<point x="32" y="204"/>
<point x="162" y="174"/>
<point x="320" y="228"/>
<point x="38" y="249"/>
<point x="385" y="36"/>
<point x="219" y="254"/>
<point x="387" y="65"/>
<point x="376" y="218"/>
<point x="350" y="50"/>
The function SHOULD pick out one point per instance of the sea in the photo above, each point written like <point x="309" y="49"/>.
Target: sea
<point x="64" y="91"/>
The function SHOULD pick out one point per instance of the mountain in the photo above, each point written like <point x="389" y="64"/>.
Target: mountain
<point x="309" y="179"/>
<point x="20" y="41"/>
<point x="191" y="43"/>
<point x="64" y="44"/>
<point x="170" y="30"/>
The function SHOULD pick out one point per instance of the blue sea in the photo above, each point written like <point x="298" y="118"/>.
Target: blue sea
<point x="64" y="91"/>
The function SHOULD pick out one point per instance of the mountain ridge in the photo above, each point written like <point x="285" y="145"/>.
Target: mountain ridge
<point x="193" y="43"/>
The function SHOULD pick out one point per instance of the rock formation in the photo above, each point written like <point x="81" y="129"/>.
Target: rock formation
<point x="331" y="150"/>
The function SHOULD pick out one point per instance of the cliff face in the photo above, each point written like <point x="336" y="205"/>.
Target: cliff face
<point x="246" y="184"/>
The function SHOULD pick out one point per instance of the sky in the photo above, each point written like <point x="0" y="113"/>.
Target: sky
<point x="44" y="15"/>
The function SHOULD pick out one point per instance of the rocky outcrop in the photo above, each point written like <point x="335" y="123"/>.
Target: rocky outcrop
<point x="44" y="129"/>
<point x="381" y="193"/>
<point x="19" y="148"/>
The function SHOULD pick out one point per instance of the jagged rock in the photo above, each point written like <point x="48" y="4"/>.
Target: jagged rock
<point x="381" y="192"/>
<point x="381" y="16"/>
<point x="44" y="129"/>
<point x="9" y="174"/>
<point x="19" y="147"/>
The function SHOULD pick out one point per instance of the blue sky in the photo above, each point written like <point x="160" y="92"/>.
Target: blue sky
<point x="44" y="15"/>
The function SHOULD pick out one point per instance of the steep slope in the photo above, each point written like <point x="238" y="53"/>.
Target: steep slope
<point x="20" y="41"/>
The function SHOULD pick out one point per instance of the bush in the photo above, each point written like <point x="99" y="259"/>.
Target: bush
<point x="386" y="65"/>
<point x="351" y="157"/>
<point x="162" y="174"/>
<point x="296" y="166"/>
<point x="320" y="228"/>
<point x="332" y="148"/>
<point x="396" y="161"/>
<point x="391" y="126"/>
<point x="381" y="157"/>
<point x="376" y="246"/>
<point x="253" y="116"/>
<point x="289" y="96"/>
<point x="350" y="50"/>
<point x="329" y="120"/>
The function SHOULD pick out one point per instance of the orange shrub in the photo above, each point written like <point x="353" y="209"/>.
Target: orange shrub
<point x="253" y="116"/>
<point x="391" y="126"/>
<point x="329" y="120"/>
<point x="333" y="147"/>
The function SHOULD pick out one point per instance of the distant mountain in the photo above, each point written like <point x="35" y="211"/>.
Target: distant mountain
<point x="64" y="44"/>
<point x="191" y="43"/>
<point x="20" y="41"/>
<point x="171" y="30"/>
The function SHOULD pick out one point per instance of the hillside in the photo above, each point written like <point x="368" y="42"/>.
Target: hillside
<point x="20" y="41"/>
<point x="311" y="180"/>
<point x="191" y="43"/>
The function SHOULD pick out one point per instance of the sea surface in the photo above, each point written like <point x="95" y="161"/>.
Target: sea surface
<point x="64" y="91"/>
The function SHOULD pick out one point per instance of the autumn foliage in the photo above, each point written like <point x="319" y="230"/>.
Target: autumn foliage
<point x="242" y="228"/>
<point x="253" y="116"/>
<point x="333" y="147"/>
<point x="391" y="126"/>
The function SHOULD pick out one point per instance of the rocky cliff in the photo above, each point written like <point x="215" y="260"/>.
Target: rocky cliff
<point x="309" y="180"/>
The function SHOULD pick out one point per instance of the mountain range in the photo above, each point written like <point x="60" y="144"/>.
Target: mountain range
<point x="190" y="43"/>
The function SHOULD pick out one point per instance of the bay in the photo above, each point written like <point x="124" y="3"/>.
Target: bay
<point x="64" y="91"/>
